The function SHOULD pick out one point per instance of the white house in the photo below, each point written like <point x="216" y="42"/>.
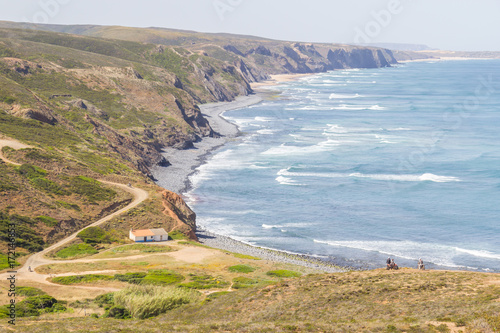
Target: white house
<point x="148" y="235"/>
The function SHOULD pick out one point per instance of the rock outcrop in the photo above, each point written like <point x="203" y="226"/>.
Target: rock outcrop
<point x="179" y="211"/>
<point x="142" y="155"/>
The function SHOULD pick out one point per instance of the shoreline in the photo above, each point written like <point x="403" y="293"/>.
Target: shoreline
<point x="185" y="162"/>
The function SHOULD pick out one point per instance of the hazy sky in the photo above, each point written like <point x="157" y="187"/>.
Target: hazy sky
<point x="445" y="24"/>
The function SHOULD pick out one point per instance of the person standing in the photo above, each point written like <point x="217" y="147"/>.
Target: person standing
<point x="421" y="264"/>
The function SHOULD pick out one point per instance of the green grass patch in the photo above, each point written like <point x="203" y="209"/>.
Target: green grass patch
<point x="142" y="248"/>
<point x="204" y="281"/>
<point x="47" y="220"/>
<point x="90" y="188"/>
<point x="242" y="282"/>
<point x="29" y="291"/>
<point x="177" y="235"/>
<point x="78" y="279"/>
<point x="194" y="244"/>
<point x="26" y="236"/>
<point x="76" y="251"/>
<point x="68" y="205"/>
<point x="241" y="269"/>
<point x="95" y="235"/>
<point x="135" y="278"/>
<point x="34" y="306"/>
<point x="244" y="256"/>
<point x="37" y="178"/>
<point x="283" y="273"/>
<point x="4" y="262"/>
<point x="149" y="301"/>
<point x="162" y="277"/>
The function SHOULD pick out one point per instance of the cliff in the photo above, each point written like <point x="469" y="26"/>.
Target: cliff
<point x="105" y="102"/>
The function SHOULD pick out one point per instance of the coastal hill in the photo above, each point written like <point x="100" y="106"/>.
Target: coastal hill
<point x="86" y="107"/>
<point x="102" y="102"/>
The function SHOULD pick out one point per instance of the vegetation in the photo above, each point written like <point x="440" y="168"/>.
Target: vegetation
<point x="90" y="188"/>
<point x="146" y="248"/>
<point x="283" y="273"/>
<point x="177" y="235"/>
<point x="47" y="220"/>
<point x="34" y="306"/>
<point x="95" y="235"/>
<point x="79" y="279"/>
<point x="76" y="251"/>
<point x="29" y="291"/>
<point x="149" y="301"/>
<point x="162" y="277"/>
<point x="204" y="281"/>
<point x="4" y="262"/>
<point x="245" y="282"/>
<point x="241" y="269"/>
<point x="244" y="256"/>
<point x="26" y="236"/>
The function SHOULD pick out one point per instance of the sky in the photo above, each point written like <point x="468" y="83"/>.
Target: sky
<point x="460" y="25"/>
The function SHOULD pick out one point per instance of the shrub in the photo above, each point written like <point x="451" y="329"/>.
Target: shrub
<point x="143" y="248"/>
<point x="36" y="305"/>
<point x="117" y="312"/>
<point x="176" y="234"/>
<point x="4" y="261"/>
<point x="244" y="256"/>
<point x="75" y="279"/>
<point x="283" y="273"/>
<point x="29" y="291"/>
<point x="48" y="221"/>
<point x="244" y="282"/>
<point x="95" y="235"/>
<point x="162" y="277"/>
<point x="149" y="301"/>
<point x="104" y="300"/>
<point x="241" y="269"/>
<point x="204" y="281"/>
<point x="90" y="188"/>
<point x="76" y="250"/>
<point x="135" y="278"/>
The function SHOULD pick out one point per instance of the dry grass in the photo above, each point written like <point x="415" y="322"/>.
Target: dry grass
<point x="371" y="301"/>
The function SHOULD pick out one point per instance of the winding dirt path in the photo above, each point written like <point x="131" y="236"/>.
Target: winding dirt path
<point x="38" y="259"/>
<point x="7" y="142"/>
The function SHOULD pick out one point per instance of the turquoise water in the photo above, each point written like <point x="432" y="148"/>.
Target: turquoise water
<point x="358" y="165"/>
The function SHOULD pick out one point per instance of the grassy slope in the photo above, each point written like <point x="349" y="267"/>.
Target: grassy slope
<point x="374" y="301"/>
<point x="36" y="65"/>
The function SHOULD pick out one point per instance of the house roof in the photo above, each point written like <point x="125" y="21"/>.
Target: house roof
<point x="159" y="232"/>
<point x="149" y="232"/>
<point x="142" y="233"/>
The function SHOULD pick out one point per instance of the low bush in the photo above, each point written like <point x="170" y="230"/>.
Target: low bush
<point x="34" y="306"/>
<point x="176" y="235"/>
<point x="48" y="221"/>
<point x="204" y="281"/>
<point x="135" y="278"/>
<point x="104" y="300"/>
<point x="149" y="301"/>
<point x="77" y="279"/>
<point x="162" y="277"/>
<point x="29" y="291"/>
<point x="76" y="251"/>
<point x="95" y="235"/>
<point x="117" y="312"/>
<point x="241" y="269"/>
<point x="283" y="273"/>
<point x="143" y="248"/>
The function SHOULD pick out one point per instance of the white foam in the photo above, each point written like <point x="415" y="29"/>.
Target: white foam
<point x="439" y="254"/>
<point x="266" y="131"/>
<point x="343" y="96"/>
<point x="263" y="119"/>
<point x="357" y="107"/>
<point x="287" y="181"/>
<point x="382" y="177"/>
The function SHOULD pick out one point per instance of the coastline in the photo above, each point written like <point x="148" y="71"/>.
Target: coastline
<point x="185" y="162"/>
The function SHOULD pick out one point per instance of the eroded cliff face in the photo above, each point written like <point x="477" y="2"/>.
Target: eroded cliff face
<point x="184" y="218"/>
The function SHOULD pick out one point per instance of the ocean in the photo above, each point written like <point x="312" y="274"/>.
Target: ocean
<point x="355" y="166"/>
